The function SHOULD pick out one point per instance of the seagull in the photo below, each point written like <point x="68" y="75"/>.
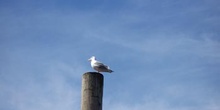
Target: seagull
<point x="99" y="66"/>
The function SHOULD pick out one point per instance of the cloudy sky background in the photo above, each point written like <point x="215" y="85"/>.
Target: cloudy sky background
<point x="165" y="53"/>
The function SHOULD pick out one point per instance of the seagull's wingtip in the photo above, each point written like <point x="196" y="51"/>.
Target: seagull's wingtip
<point x="110" y="71"/>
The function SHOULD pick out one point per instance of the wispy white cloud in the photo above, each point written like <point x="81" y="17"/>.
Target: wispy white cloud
<point x="56" y="88"/>
<point x="177" y="44"/>
<point x="159" y="105"/>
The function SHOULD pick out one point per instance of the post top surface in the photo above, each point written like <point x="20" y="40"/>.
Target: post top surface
<point x="92" y="73"/>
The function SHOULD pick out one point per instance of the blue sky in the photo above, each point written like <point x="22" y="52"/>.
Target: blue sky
<point x="165" y="54"/>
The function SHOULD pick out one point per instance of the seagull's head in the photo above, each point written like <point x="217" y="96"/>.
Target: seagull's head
<point x="92" y="58"/>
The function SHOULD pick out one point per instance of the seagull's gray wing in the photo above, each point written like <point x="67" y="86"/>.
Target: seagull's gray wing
<point x="101" y="65"/>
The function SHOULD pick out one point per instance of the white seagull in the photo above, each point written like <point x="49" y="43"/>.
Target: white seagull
<point x="99" y="66"/>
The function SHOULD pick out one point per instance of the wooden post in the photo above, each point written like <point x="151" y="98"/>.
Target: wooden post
<point x="92" y="91"/>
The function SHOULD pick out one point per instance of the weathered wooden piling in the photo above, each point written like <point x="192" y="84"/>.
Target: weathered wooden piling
<point x="92" y="91"/>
